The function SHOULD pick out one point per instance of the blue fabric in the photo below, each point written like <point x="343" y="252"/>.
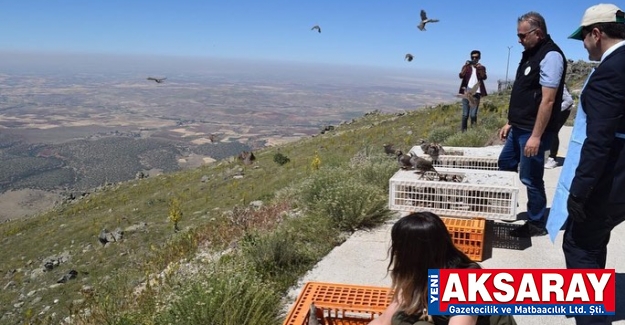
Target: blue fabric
<point x="559" y="212"/>
<point x="467" y="111"/>
<point x="551" y="69"/>
<point x="531" y="170"/>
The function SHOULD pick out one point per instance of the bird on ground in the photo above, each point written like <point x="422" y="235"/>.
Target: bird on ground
<point x="317" y="28"/>
<point x="312" y="316"/>
<point x="425" y="20"/>
<point x="247" y="157"/>
<point x="409" y="57"/>
<point x="389" y="149"/>
<point x="102" y="238"/>
<point x="158" y="80"/>
<point x="69" y="276"/>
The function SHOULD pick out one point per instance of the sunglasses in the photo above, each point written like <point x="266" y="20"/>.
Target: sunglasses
<point x="587" y="30"/>
<point x="475" y="57"/>
<point x="523" y="35"/>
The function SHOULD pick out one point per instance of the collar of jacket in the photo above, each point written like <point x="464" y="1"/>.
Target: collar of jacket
<point x="533" y="50"/>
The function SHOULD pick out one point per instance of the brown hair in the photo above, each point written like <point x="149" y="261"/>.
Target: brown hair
<point x="420" y="241"/>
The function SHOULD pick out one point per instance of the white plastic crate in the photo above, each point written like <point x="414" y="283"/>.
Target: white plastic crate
<point x="486" y="194"/>
<point x="465" y="162"/>
<point x="490" y="151"/>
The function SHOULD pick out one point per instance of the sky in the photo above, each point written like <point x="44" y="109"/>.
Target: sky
<point x="375" y="33"/>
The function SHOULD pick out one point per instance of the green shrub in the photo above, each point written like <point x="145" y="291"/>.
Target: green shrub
<point x="491" y="121"/>
<point x="276" y="257"/>
<point x="350" y="201"/>
<point x="352" y="204"/>
<point x="272" y="253"/>
<point x="225" y="298"/>
<point x="280" y="159"/>
<point x="440" y="134"/>
<point x="311" y="188"/>
<point x="376" y="170"/>
<point x="489" y="107"/>
<point x="474" y="137"/>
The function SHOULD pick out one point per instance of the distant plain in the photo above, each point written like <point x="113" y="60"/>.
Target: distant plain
<point x="70" y="123"/>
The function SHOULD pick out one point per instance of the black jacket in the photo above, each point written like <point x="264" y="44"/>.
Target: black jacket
<point x="527" y="92"/>
<point x="600" y="174"/>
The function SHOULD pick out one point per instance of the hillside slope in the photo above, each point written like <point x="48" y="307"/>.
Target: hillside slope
<point x="88" y="258"/>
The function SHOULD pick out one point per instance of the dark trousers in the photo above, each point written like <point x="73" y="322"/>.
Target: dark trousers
<point x="531" y="170"/>
<point x="555" y="142"/>
<point x="585" y="244"/>
<point x="469" y="112"/>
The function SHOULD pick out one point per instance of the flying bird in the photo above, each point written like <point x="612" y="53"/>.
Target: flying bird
<point x="158" y="80"/>
<point x="425" y="20"/>
<point x="469" y="94"/>
<point x="317" y="28"/>
<point x="409" y="57"/>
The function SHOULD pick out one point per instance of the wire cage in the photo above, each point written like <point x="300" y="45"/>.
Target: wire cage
<point x="492" y="195"/>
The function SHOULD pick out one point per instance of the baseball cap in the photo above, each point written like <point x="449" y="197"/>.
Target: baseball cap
<point x="601" y="13"/>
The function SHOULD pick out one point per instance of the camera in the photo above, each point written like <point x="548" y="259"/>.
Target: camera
<point x="471" y="62"/>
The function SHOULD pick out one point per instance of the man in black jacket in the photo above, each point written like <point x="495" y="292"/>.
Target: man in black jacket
<point x="595" y="163"/>
<point x="532" y="119"/>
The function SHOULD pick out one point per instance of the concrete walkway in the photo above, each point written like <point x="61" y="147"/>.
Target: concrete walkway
<point x="363" y="260"/>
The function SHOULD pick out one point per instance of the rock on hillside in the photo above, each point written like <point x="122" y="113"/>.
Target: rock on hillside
<point x="577" y="72"/>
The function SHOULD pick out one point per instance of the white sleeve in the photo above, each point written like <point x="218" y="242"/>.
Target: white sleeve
<point x="567" y="99"/>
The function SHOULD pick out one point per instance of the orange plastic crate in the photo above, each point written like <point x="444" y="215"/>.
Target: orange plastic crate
<point x="339" y="303"/>
<point x="467" y="235"/>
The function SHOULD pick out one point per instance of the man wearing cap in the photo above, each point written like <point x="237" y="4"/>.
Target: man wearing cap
<point x="591" y="188"/>
<point x="532" y="119"/>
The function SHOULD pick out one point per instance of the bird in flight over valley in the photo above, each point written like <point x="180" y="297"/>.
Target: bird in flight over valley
<point x="425" y="20"/>
<point x="158" y="80"/>
<point x="409" y="57"/>
<point x="317" y="28"/>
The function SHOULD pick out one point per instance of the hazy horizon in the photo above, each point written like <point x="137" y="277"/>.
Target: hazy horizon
<point x="189" y="69"/>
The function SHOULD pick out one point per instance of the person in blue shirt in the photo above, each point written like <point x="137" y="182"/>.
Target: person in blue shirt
<point x="565" y="112"/>
<point x="532" y="119"/>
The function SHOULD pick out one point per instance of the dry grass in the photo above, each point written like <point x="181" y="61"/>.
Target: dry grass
<point x="215" y="217"/>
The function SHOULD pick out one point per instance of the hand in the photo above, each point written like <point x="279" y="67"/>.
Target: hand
<point x="503" y="132"/>
<point x="531" y="146"/>
<point x="575" y="207"/>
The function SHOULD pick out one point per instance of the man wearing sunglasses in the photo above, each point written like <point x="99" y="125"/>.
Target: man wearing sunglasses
<point x="532" y="116"/>
<point x="591" y="189"/>
<point x="471" y="74"/>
